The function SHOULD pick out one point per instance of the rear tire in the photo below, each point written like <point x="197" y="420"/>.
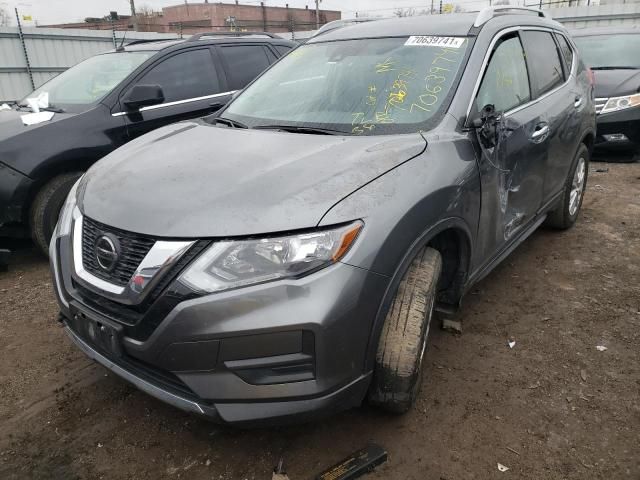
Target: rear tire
<point x="566" y="214"/>
<point x="398" y="371"/>
<point x="46" y="208"/>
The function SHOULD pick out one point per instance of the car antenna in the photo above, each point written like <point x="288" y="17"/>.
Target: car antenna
<point x="121" y="47"/>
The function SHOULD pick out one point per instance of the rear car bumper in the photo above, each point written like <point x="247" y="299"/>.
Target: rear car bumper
<point x="282" y="351"/>
<point x="14" y="192"/>
<point x="619" y="130"/>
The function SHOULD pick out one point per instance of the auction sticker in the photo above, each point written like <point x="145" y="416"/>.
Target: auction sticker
<point x="448" y="42"/>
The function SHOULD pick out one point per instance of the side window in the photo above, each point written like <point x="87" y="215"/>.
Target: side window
<point x="245" y="62"/>
<point x="282" y="50"/>
<point x="186" y="75"/>
<point x="543" y="60"/>
<point x="272" y="56"/>
<point x="505" y="83"/>
<point x="567" y="52"/>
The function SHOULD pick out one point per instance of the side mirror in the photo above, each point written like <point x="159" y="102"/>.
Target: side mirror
<point x="487" y="126"/>
<point x="143" y="96"/>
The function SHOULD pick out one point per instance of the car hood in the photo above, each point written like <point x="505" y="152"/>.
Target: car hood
<point x="11" y="123"/>
<point x="195" y="180"/>
<point x="616" y="83"/>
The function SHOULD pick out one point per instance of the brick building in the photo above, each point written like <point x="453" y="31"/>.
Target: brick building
<point x="190" y="18"/>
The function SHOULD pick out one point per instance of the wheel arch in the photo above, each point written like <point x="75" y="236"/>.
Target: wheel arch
<point x="589" y="139"/>
<point x="452" y="238"/>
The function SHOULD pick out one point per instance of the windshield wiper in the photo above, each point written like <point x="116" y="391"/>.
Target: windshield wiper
<point x="617" y="67"/>
<point x="294" y="129"/>
<point x="42" y="109"/>
<point x="229" y="122"/>
<point x="52" y="109"/>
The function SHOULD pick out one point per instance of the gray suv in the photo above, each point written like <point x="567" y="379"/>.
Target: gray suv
<point x="282" y="259"/>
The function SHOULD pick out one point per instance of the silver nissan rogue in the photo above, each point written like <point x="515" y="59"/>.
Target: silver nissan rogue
<point x="282" y="259"/>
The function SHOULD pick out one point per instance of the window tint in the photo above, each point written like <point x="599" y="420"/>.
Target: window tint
<point x="567" y="52"/>
<point x="245" y="63"/>
<point x="185" y="75"/>
<point x="272" y="56"/>
<point x="543" y="60"/>
<point x="505" y="84"/>
<point x="282" y="50"/>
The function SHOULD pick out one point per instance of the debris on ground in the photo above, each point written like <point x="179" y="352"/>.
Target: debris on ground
<point x="452" y="326"/>
<point x="583" y="375"/>
<point x="279" y="472"/>
<point x="602" y="170"/>
<point x="502" y="467"/>
<point x="601" y="348"/>
<point x="513" y="450"/>
<point x="511" y="342"/>
<point x="355" y="465"/>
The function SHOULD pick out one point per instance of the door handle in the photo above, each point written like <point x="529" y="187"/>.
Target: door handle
<point x="578" y="102"/>
<point x="540" y="133"/>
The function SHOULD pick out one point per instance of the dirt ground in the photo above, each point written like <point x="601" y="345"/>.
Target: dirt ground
<point x="552" y="407"/>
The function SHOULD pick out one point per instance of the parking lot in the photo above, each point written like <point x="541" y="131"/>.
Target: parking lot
<point x="552" y="407"/>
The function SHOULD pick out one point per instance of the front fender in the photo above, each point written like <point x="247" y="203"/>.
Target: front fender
<point x="405" y="209"/>
<point x="397" y="208"/>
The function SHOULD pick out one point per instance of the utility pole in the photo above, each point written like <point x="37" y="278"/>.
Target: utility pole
<point x="133" y="14"/>
<point x="431" y="12"/>
<point x="318" y="14"/>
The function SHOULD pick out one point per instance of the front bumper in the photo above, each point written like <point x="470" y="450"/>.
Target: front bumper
<point x="14" y="193"/>
<point x="610" y="126"/>
<point x="283" y="351"/>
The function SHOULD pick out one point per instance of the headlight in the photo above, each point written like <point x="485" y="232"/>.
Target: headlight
<point x="233" y="264"/>
<point x="63" y="227"/>
<point x="620" y="103"/>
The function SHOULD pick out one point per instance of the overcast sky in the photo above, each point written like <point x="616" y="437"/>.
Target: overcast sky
<point x="61" y="11"/>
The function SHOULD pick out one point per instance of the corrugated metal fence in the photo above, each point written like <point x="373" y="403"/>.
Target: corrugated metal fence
<point x="50" y="51"/>
<point x="53" y="50"/>
<point x="625" y="15"/>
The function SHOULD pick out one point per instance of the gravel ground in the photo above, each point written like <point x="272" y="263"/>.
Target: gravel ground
<point x="552" y="407"/>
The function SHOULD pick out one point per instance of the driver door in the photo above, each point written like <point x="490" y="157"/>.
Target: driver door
<point x="191" y="88"/>
<point x="512" y="170"/>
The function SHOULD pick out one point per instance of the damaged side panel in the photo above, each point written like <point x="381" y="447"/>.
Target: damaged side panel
<point x="512" y="176"/>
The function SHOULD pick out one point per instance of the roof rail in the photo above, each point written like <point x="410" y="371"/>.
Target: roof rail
<point x="327" y="27"/>
<point x="198" y="36"/>
<point x="488" y="13"/>
<point x="147" y="40"/>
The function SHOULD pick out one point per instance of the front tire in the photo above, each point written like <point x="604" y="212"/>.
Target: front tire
<point x="398" y="371"/>
<point x="566" y="214"/>
<point x="46" y="206"/>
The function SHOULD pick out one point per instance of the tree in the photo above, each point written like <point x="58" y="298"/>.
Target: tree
<point x="5" y="18"/>
<point x="409" y="12"/>
<point x="145" y="11"/>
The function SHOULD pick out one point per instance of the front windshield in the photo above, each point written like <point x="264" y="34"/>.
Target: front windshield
<point x="356" y="87"/>
<point x="91" y="80"/>
<point x="602" y="51"/>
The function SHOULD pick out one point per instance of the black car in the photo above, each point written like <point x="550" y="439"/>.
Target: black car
<point x="106" y="101"/>
<point x="613" y="55"/>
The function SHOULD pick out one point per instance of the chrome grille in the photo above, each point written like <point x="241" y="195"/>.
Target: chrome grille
<point x="600" y="103"/>
<point x="133" y="249"/>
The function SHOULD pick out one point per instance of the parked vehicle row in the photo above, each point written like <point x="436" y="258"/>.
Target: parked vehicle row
<point x="612" y="54"/>
<point x="282" y="259"/>
<point x="106" y="101"/>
